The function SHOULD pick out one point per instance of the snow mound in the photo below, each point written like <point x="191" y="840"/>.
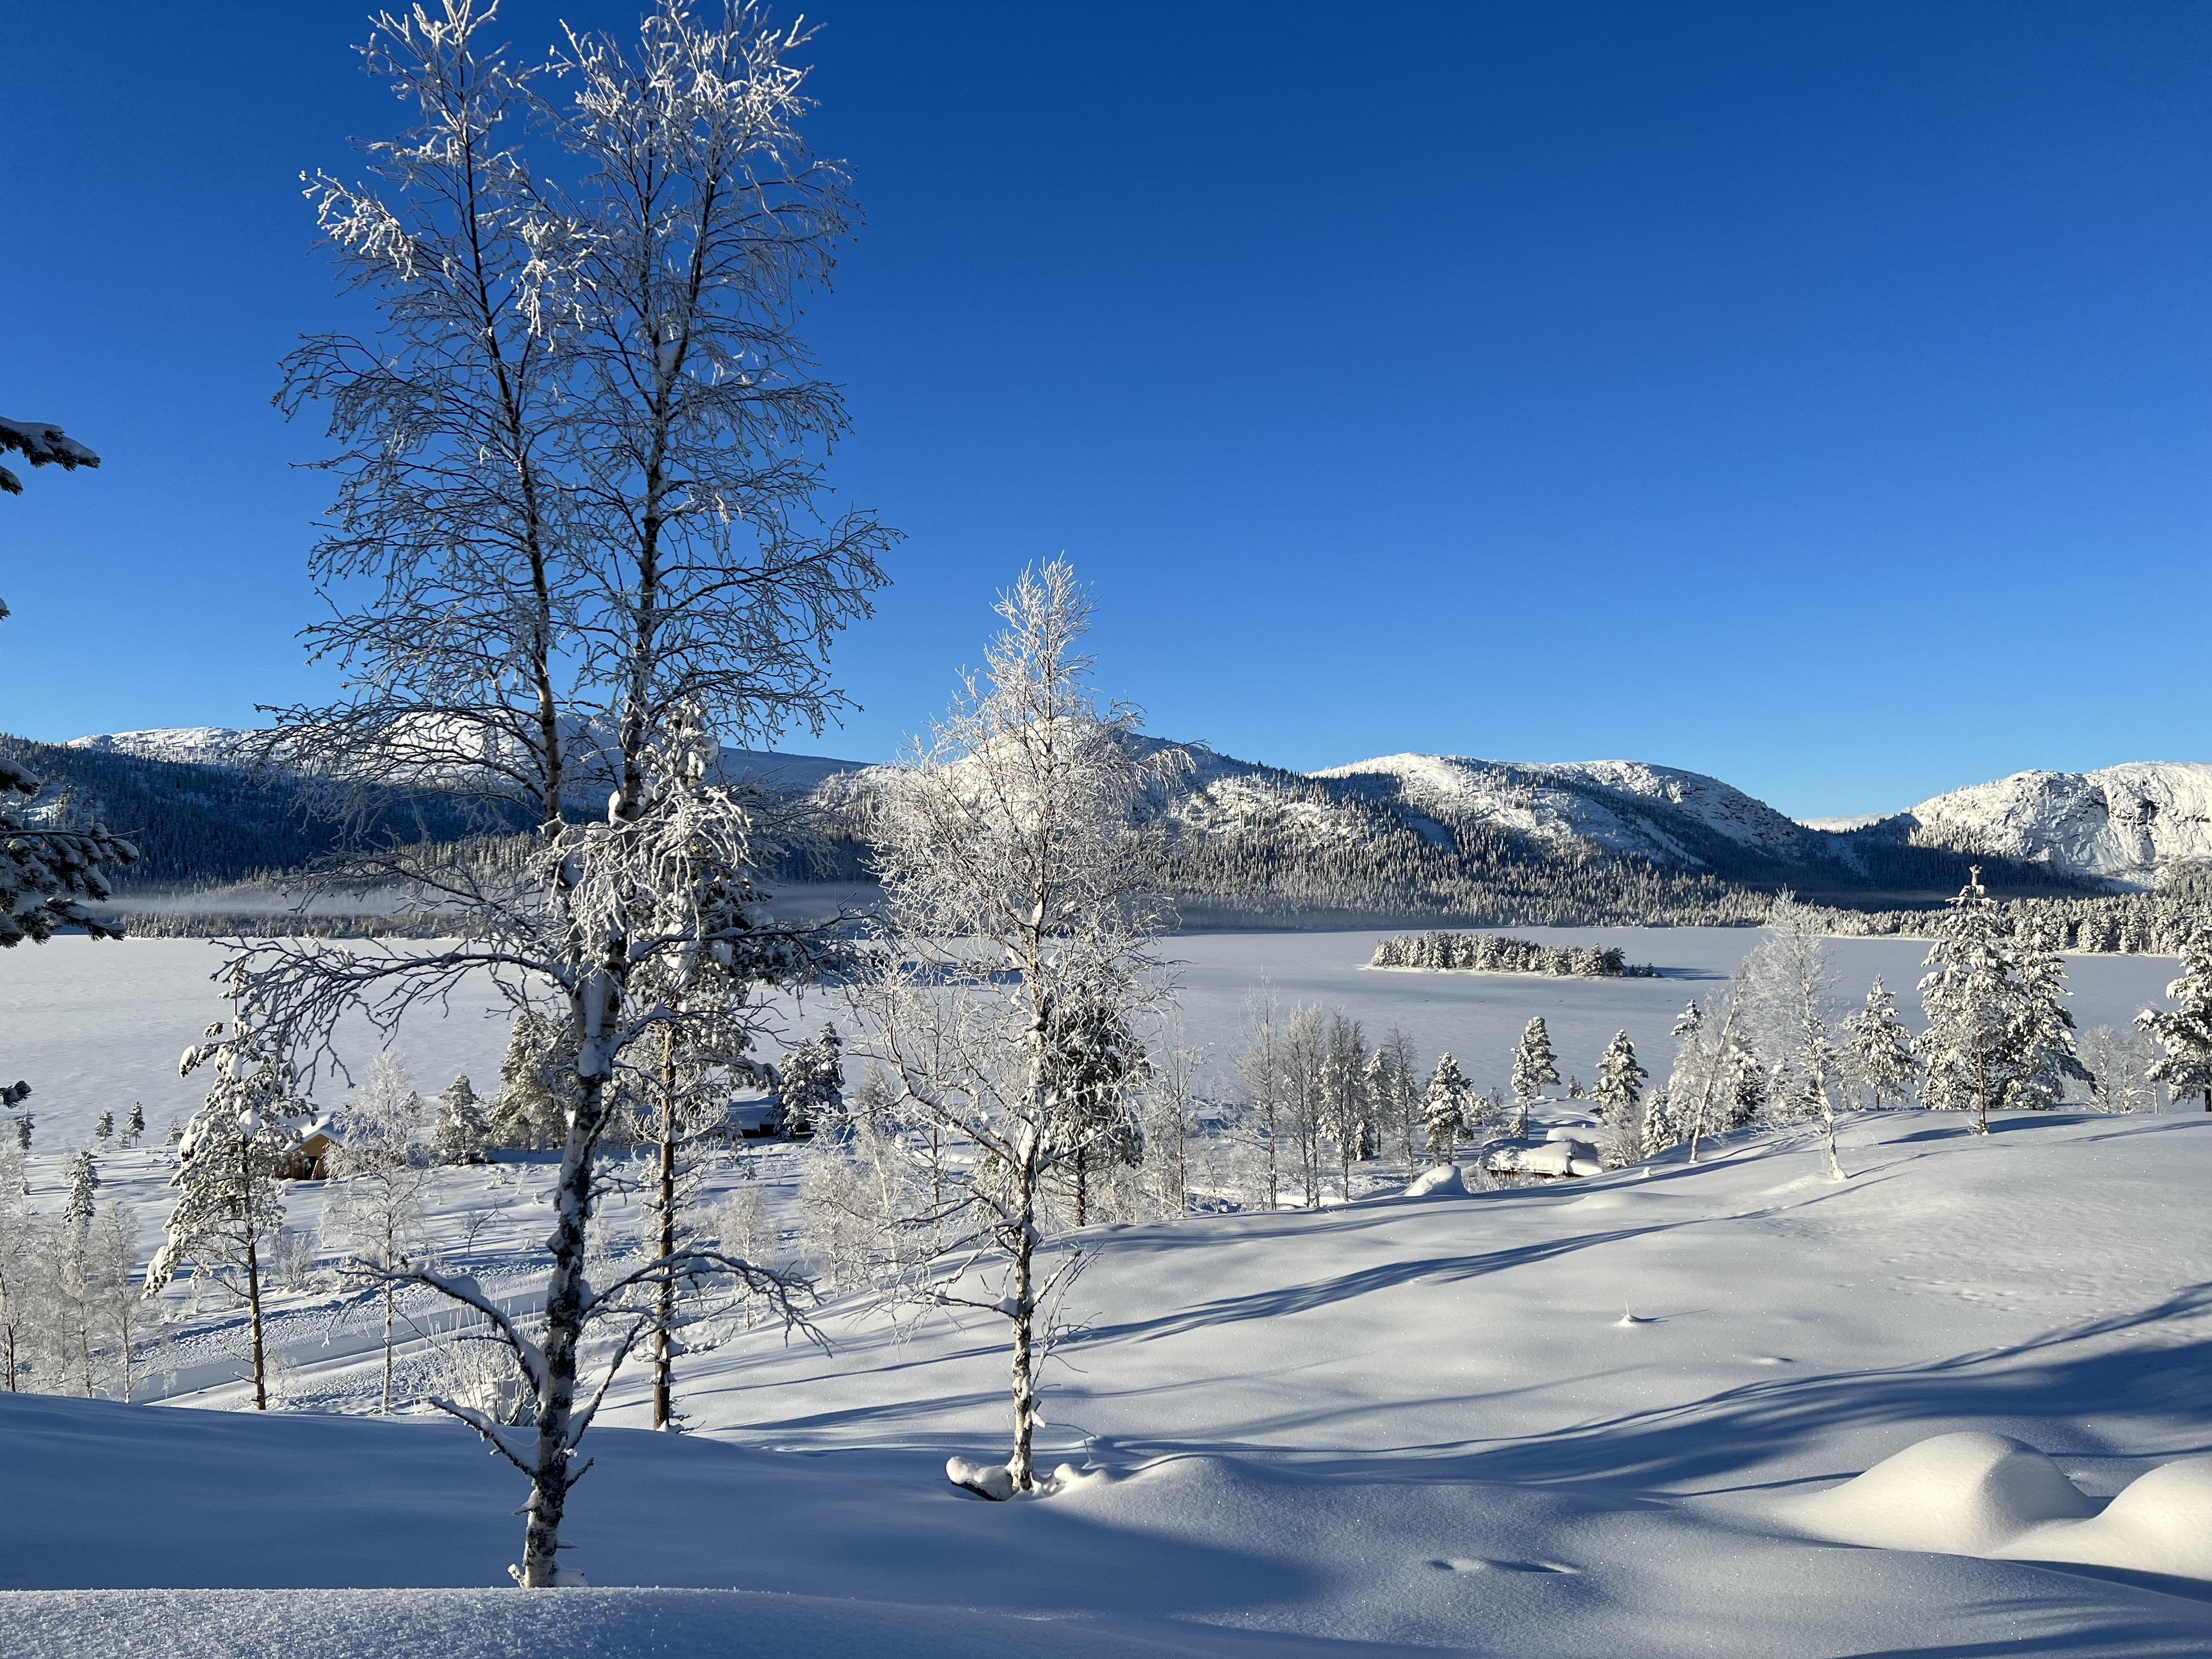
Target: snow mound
<point x="1445" y="1181"/>
<point x="1555" y="1158"/>
<point x="2162" y="1523"/>
<point x="1957" y="1494"/>
<point x="995" y="1481"/>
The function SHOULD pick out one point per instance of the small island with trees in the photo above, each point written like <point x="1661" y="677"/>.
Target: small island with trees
<point x="1499" y="953"/>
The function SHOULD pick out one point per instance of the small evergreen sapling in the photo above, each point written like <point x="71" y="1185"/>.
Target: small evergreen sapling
<point x="135" y="1125"/>
<point x="1620" y="1096"/>
<point x="1878" y="1049"/>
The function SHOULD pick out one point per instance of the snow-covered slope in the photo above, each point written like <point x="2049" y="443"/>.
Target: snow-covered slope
<point x="1425" y="1425"/>
<point x="2126" y="823"/>
<point x="1661" y="812"/>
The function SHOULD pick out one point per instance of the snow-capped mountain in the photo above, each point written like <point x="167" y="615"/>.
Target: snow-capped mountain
<point x="2124" y="823"/>
<point x="1659" y="812"/>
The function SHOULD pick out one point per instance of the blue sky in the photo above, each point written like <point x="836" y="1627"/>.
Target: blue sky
<point x="1815" y="396"/>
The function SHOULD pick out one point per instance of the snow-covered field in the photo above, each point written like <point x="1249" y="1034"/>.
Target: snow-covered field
<point x="1572" y="1421"/>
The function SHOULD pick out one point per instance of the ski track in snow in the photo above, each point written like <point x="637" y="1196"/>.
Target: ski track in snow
<point x="1391" y="1426"/>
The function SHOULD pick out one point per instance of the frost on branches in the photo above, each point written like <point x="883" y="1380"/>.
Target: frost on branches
<point x="1019" y="866"/>
<point x="229" y="1201"/>
<point x="641" y="933"/>
<point x="1620" y="1096"/>
<point x="1997" y="1035"/>
<point x="1878" y="1051"/>
<point x="2185" y="1032"/>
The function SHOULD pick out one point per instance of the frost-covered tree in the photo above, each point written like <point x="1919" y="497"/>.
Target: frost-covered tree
<point x="2185" y="1031"/>
<point x="1305" y="1053"/>
<point x="83" y="1191"/>
<point x="1534" y="1067"/>
<point x="1260" y="1068"/>
<point x="532" y="1107"/>
<point x="1969" y="992"/>
<point x="1347" y="1112"/>
<point x="581" y="459"/>
<point x="1170" y="1098"/>
<point x="600" y="923"/>
<point x="1878" y="1052"/>
<point x="229" y="1196"/>
<point x="1021" y="899"/>
<point x="811" y="1082"/>
<point x="374" y="1209"/>
<point x="1620" y="1096"/>
<point x="1402" y="1084"/>
<point x="103" y="1127"/>
<point x="1787" y="987"/>
<point x="2039" y="1057"/>
<point x="20" y="1243"/>
<point x="461" y="1132"/>
<point x="1443" y="1108"/>
<point x="135" y="1125"/>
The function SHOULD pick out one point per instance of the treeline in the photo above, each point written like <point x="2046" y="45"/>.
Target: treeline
<point x="2135" y="924"/>
<point x="1499" y="953"/>
<point x="208" y="823"/>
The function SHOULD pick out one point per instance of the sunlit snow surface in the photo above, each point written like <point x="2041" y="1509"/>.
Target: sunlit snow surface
<point x="1401" y="1424"/>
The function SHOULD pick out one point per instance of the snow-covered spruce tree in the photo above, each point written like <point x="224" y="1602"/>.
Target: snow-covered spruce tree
<point x="613" y="922"/>
<point x="535" y="1081"/>
<point x="2185" y="1031"/>
<point x="1878" y="1052"/>
<point x="1019" y="871"/>
<point x="461" y="1132"/>
<point x="83" y="1191"/>
<point x="1620" y="1096"/>
<point x="1788" y="988"/>
<point x="1443" y="1108"/>
<point x="579" y="463"/>
<point x="373" y="1208"/>
<point x="135" y="1125"/>
<point x="811" y="1082"/>
<point x="2039" y="1039"/>
<point x="1534" y="1067"/>
<point x="1970" y="991"/>
<point x="229" y="1196"/>
<point x="42" y="444"/>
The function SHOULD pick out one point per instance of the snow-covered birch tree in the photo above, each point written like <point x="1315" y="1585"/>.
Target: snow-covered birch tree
<point x="1018" y="868"/>
<point x="1788" y="988"/>
<point x="374" y="1207"/>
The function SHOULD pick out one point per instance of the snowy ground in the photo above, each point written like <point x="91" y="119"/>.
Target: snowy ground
<point x="1395" y="1425"/>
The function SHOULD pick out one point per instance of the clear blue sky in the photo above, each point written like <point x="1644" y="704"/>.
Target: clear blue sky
<point x="1817" y="396"/>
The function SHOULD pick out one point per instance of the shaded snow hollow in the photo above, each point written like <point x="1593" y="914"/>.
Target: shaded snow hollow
<point x="1412" y="1425"/>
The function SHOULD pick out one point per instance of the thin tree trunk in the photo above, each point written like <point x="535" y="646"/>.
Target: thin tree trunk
<point x="664" y="1344"/>
<point x="253" y="1309"/>
<point x="1019" y="1466"/>
<point x="566" y="1294"/>
<point x="386" y="1409"/>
